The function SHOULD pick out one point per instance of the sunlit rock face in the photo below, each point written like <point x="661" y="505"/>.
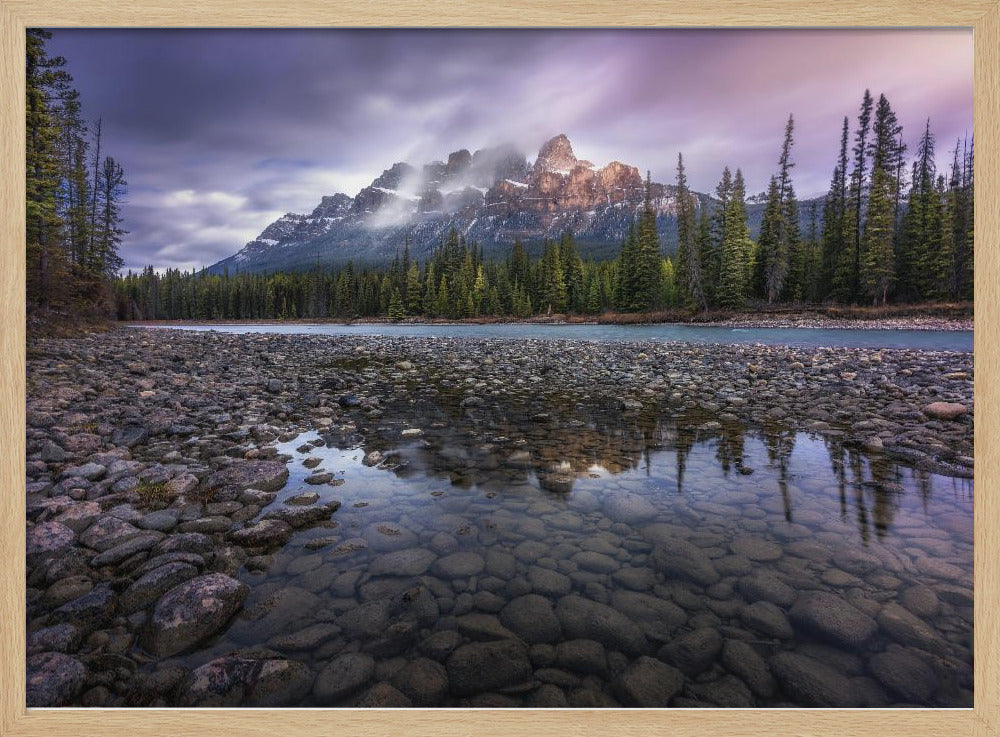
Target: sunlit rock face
<point x="490" y="196"/>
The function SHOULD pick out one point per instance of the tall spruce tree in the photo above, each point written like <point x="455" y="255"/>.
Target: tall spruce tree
<point x="919" y="275"/>
<point x="731" y="291"/>
<point x="647" y="277"/>
<point x="837" y="263"/>
<point x="857" y="197"/>
<point x="779" y="246"/>
<point x="628" y="265"/>
<point x="770" y="264"/>
<point x="878" y="239"/>
<point x="689" y="271"/>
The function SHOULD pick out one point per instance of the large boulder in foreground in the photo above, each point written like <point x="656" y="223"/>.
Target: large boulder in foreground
<point x="191" y="612"/>
<point x="54" y="679"/>
<point x="248" y="680"/>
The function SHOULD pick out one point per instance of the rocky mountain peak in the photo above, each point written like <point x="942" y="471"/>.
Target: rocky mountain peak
<point x="333" y="206"/>
<point x="556" y="155"/>
<point x="458" y="162"/>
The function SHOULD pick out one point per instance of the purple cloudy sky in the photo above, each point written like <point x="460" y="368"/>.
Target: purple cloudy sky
<point x="220" y="132"/>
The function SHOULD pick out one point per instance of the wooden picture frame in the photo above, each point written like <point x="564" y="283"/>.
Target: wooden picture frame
<point x="15" y="15"/>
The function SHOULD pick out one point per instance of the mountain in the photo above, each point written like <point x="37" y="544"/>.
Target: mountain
<point x="491" y="196"/>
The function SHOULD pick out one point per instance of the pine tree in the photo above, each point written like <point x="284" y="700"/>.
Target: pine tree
<point x="396" y="310"/>
<point x="45" y="80"/>
<point x="942" y="261"/>
<point x="573" y="272"/>
<point x="646" y="280"/>
<point x="668" y="283"/>
<point x="856" y="195"/>
<point x="731" y="291"/>
<point x="919" y="276"/>
<point x="837" y="262"/>
<point x="628" y="267"/>
<point x="430" y="291"/>
<point x="553" y="281"/>
<point x="770" y="264"/>
<point x="877" y="254"/>
<point x="443" y="307"/>
<point x="414" y="290"/>
<point x="713" y="245"/>
<point x="689" y="272"/>
<point x="103" y="258"/>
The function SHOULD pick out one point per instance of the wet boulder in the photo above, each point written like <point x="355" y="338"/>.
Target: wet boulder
<point x="191" y="612"/>
<point x="487" y="666"/>
<point x="247" y="680"/>
<point x="586" y="619"/>
<point x="54" y="679"/>
<point x="831" y="617"/>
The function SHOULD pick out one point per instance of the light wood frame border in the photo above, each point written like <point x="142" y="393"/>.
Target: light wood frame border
<point x="15" y="15"/>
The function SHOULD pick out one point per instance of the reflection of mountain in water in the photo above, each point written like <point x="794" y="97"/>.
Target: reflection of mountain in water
<point x="503" y="446"/>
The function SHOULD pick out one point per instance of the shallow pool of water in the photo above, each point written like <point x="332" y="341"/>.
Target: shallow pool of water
<point x="643" y="535"/>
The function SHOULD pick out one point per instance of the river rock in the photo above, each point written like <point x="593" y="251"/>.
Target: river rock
<point x="532" y="618"/>
<point x="905" y="674"/>
<point x="423" y="681"/>
<point x="629" y="508"/>
<point x="588" y="619"/>
<point x="548" y="582"/>
<point x="582" y="656"/>
<point x="237" y="680"/>
<point x="459" y="565"/>
<point x="487" y="666"/>
<point x="240" y="475"/>
<point x="137" y="544"/>
<point x="264" y="534"/>
<point x="342" y="676"/>
<point x="768" y="619"/>
<point x="740" y="659"/>
<point x="90" y="611"/>
<point x="53" y="679"/>
<point x="153" y="584"/>
<point x="408" y="562"/>
<point x="908" y="629"/>
<point x="678" y="559"/>
<point x="383" y="696"/>
<point x="48" y="539"/>
<point x="766" y="587"/>
<point x="756" y="549"/>
<point x="945" y="410"/>
<point x="648" y="683"/>
<point x="829" y="616"/>
<point x="108" y="532"/>
<point x="693" y="652"/>
<point x="192" y="611"/>
<point x="810" y="682"/>
<point x="61" y="638"/>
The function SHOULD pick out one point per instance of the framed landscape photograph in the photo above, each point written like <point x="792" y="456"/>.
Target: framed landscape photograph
<point x="556" y="369"/>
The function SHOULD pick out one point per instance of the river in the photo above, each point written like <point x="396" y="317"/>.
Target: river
<point x="931" y="340"/>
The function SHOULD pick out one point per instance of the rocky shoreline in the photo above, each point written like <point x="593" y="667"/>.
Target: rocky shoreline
<point x="749" y="320"/>
<point x="152" y="456"/>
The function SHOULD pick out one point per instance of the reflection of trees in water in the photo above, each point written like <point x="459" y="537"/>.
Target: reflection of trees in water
<point x="729" y="447"/>
<point x="518" y="441"/>
<point x="875" y="487"/>
<point x="780" y="442"/>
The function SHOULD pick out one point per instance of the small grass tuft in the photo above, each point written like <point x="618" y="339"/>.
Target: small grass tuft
<point x="152" y="493"/>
